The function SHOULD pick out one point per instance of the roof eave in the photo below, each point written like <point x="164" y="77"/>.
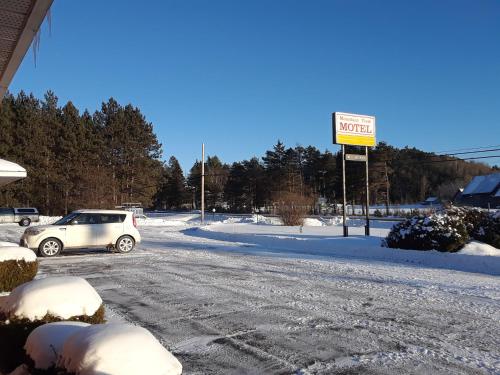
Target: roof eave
<point x="33" y="22"/>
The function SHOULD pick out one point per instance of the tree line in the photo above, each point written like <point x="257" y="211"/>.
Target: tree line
<point x="103" y="159"/>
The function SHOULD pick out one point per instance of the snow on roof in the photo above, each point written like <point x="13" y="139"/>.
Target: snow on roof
<point x="99" y="211"/>
<point x="10" y="172"/>
<point x="116" y="348"/>
<point x="497" y="193"/>
<point x="483" y="184"/>
<point x="45" y="342"/>
<point x="431" y="199"/>
<point x="16" y="253"/>
<point x="63" y="297"/>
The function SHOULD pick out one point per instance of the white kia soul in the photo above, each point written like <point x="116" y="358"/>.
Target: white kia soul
<point x="112" y="229"/>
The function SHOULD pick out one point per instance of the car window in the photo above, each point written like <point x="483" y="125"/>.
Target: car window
<point x="112" y="218"/>
<point x="5" y="211"/>
<point x="66" y="219"/>
<point x="26" y="210"/>
<point x="83" y="219"/>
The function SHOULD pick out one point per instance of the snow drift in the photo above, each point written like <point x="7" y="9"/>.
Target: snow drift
<point x="122" y="349"/>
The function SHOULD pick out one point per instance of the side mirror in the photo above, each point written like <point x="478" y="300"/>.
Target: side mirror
<point x="74" y="222"/>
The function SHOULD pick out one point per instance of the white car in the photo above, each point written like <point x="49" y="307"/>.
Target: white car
<point x="113" y="229"/>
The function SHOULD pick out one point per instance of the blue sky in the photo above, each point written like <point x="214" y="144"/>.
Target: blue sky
<point x="238" y="75"/>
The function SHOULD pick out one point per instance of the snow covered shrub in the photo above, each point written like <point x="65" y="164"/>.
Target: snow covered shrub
<point x="37" y="302"/>
<point x="44" y="344"/>
<point x="488" y="230"/>
<point x="481" y="225"/>
<point x="435" y="232"/>
<point x="122" y="349"/>
<point x="293" y="208"/>
<point x="17" y="266"/>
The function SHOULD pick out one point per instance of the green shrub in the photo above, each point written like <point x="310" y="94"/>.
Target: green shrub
<point x="435" y="232"/>
<point x="14" y="332"/>
<point x="16" y="272"/>
<point x="481" y="225"/>
<point x="488" y="230"/>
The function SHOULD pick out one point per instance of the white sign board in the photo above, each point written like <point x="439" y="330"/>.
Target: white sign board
<point x="352" y="129"/>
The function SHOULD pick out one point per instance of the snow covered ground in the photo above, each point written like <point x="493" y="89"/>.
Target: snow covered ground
<point x="240" y="297"/>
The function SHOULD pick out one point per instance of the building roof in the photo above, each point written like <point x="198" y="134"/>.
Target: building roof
<point x="20" y="21"/>
<point x="10" y="172"/>
<point x="483" y="184"/>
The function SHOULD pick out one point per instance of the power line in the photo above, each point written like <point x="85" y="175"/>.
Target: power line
<point x="465" y="149"/>
<point x="470" y="152"/>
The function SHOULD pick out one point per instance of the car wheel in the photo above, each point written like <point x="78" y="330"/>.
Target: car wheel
<point x="25" y="222"/>
<point x="125" y="244"/>
<point x="50" y="247"/>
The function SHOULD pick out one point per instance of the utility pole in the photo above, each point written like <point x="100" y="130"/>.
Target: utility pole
<point x="386" y="190"/>
<point x="203" y="183"/>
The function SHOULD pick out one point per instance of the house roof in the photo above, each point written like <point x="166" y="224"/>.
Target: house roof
<point x="483" y="184"/>
<point x="10" y="172"/>
<point x="19" y="24"/>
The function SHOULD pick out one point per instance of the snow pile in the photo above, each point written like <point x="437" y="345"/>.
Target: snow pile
<point x="309" y="222"/>
<point x="45" y="342"/>
<point x="158" y="222"/>
<point x="61" y="297"/>
<point x="16" y="253"/>
<point x="479" y="248"/>
<point x="3" y="243"/>
<point x="120" y="349"/>
<point x="334" y="220"/>
<point x="46" y="220"/>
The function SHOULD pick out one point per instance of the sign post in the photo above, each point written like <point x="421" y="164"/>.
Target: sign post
<point x="344" y="202"/>
<point x="355" y="130"/>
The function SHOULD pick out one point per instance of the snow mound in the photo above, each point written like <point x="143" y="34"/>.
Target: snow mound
<point x="45" y="343"/>
<point x="309" y="222"/>
<point x="62" y="297"/>
<point x="480" y="248"/>
<point x="3" y="243"/>
<point x="120" y="349"/>
<point x="157" y="222"/>
<point x="45" y="220"/>
<point x="16" y="253"/>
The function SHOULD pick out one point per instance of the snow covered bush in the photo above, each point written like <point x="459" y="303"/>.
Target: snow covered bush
<point x="17" y="266"/>
<point x="45" y="343"/>
<point x="481" y="225"/>
<point x="42" y="301"/>
<point x="441" y="232"/>
<point x="488" y="229"/>
<point x="122" y="349"/>
<point x="53" y="299"/>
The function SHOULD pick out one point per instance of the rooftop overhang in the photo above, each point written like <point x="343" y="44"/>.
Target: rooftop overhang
<point x="20" y="21"/>
<point x="10" y="172"/>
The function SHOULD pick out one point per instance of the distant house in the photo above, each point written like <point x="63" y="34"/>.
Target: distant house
<point x="431" y="201"/>
<point x="482" y="191"/>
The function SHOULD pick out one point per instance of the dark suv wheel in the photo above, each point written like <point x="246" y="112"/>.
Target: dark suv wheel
<point x="25" y="222"/>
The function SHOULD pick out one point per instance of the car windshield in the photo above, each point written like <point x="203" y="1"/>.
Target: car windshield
<point x="66" y="219"/>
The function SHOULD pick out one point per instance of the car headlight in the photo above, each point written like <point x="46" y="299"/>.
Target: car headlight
<point x="34" y="231"/>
